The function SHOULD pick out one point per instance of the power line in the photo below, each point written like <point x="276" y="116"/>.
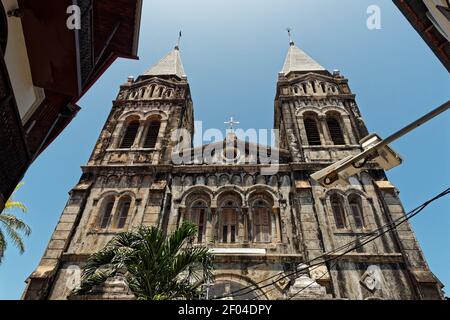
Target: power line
<point x="391" y="226"/>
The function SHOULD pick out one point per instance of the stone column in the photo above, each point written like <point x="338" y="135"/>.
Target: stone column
<point x="117" y="135"/>
<point x="275" y="212"/>
<point x="347" y="130"/>
<point x="325" y="134"/>
<point x="138" y="141"/>
<point x="245" y="212"/>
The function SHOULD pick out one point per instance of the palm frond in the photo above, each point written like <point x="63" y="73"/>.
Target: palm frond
<point x="13" y="222"/>
<point x="3" y="245"/>
<point x="151" y="262"/>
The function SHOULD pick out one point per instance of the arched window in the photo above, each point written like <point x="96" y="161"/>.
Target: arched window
<point x="106" y="215"/>
<point x="130" y="135"/>
<point x="357" y="212"/>
<point x="229" y="222"/>
<point x="312" y="132"/>
<point x="123" y="209"/>
<point x="338" y="212"/>
<point x="323" y="87"/>
<point x="261" y="221"/>
<point x="198" y="217"/>
<point x="141" y="92"/>
<point x="335" y="131"/>
<point x="152" y="134"/>
<point x="304" y="88"/>
<point x="152" y="90"/>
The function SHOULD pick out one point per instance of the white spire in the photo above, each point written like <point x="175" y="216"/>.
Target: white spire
<point x="170" y="64"/>
<point x="298" y="60"/>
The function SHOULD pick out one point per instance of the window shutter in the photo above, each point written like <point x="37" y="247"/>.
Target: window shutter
<point x="130" y="135"/>
<point x="312" y="132"/>
<point x="335" y="131"/>
<point x="152" y="134"/>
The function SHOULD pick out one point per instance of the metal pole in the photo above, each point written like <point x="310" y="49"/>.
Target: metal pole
<point x="398" y="134"/>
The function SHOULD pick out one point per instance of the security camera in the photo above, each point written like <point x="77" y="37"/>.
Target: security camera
<point x="385" y="157"/>
<point x="331" y="176"/>
<point x="339" y="172"/>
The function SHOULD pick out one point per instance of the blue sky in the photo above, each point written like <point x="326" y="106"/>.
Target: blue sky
<point x="232" y="52"/>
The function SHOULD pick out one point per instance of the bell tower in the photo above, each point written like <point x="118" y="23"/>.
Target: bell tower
<point x="315" y="110"/>
<point x="145" y="113"/>
<point x="125" y="184"/>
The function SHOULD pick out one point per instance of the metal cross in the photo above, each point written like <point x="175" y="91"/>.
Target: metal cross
<point x="289" y="30"/>
<point x="232" y="123"/>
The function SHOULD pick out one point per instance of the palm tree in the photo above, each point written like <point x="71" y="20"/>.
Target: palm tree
<point x="12" y="225"/>
<point x="155" y="266"/>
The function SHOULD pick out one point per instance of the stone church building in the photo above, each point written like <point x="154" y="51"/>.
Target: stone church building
<point x="260" y="227"/>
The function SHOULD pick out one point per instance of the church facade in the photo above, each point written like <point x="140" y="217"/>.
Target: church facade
<point x="266" y="229"/>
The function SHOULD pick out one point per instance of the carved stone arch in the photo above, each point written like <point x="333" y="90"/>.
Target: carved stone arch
<point x="195" y="190"/>
<point x="132" y="115"/>
<point x="338" y="192"/>
<point x="334" y="111"/>
<point x="126" y="193"/>
<point x="358" y="192"/>
<point x="225" y="191"/>
<point x="300" y="112"/>
<point x="266" y="192"/>
<point x="156" y="114"/>
<point x="109" y="193"/>
<point x="235" y="282"/>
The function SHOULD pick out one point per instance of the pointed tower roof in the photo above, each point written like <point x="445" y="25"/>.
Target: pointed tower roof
<point x="298" y="60"/>
<point x="169" y="65"/>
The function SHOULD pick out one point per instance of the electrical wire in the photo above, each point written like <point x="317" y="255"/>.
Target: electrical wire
<point x="391" y="226"/>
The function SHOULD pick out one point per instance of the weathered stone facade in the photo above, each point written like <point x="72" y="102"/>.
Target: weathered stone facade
<point x="259" y="226"/>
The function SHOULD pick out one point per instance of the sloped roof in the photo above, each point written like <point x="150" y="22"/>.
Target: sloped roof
<point x="169" y="65"/>
<point x="298" y="60"/>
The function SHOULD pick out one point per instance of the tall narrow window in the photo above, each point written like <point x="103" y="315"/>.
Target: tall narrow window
<point x="124" y="208"/>
<point x="358" y="217"/>
<point x="107" y="213"/>
<point x="152" y="90"/>
<point x="152" y="134"/>
<point x="198" y="217"/>
<point x="229" y="221"/>
<point x="312" y="132"/>
<point x="261" y="222"/>
<point x="338" y="212"/>
<point x="335" y="131"/>
<point x="130" y="135"/>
